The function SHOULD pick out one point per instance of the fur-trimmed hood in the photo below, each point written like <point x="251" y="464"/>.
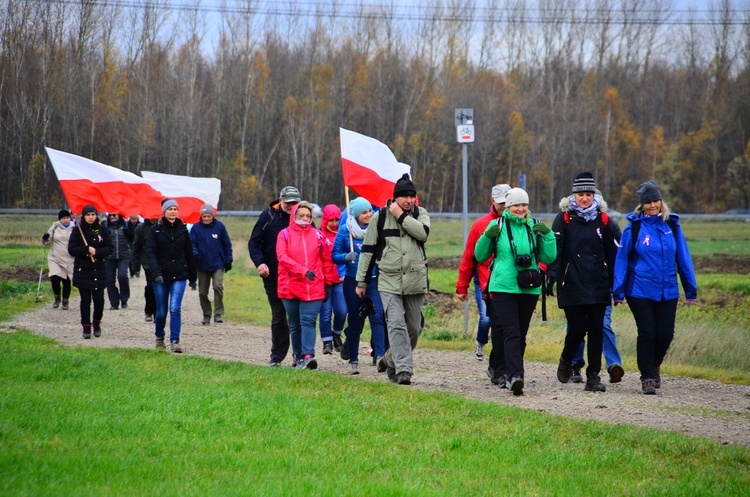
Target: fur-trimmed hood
<point x="565" y="204"/>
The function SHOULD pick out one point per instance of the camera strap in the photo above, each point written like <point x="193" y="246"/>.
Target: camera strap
<point x="513" y="243"/>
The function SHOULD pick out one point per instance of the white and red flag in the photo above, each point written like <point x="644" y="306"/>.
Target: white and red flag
<point x="189" y="193"/>
<point x="84" y="181"/>
<point x="369" y="167"/>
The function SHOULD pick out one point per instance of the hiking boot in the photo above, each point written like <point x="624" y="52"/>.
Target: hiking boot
<point x="149" y="318"/>
<point x="65" y="304"/>
<point x="494" y="379"/>
<point x="175" y="346"/>
<point x="564" y="371"/>
<point x="327" y="348"/>
<point x="615" y="373"/>
<point x="594" y="384"/>
<point x="160" y="344"/>
<point x="403" y="378"/>
<point x="381" y="364"/>
<point x="337" y="342"/>
<point x="516" y="385"/>
<point x="308" y="362"/>
<point x="353" y="368"/>
<point x="56" y="303"/>
<point x="648" y="386"/>
<point x="344" y="353"/>
<point x="391" y="372"/>
<point x="657" y="377"/>
<point x="479" y="351"/>
<point x="86" y="331"/>
<point x="218" y="319"/>
<point x="274" y="363"/>
<point x="97" y="329"/>
<point x="113" y="308"/>
<point x="206" y="320"/>
<point x="124" y="305"/>
<point x="575" y="375"/>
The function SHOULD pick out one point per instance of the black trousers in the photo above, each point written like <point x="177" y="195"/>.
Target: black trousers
<point x="497" y="356"/>
<point x="148" y="294"/>
<point x="655" y="322"/>
<point x="280" y="336"/>
<point x="585" y="320"/>
<point x="56" y="282"/>
<point x="87" y="296"/>
<point x="514" y="311"/>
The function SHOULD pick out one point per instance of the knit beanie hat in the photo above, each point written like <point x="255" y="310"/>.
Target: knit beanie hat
<point x="358" y="206"/>
<point x="167" y="204"/>
<point x="207" y="209"/>
<point x="584" y="182"/>
<point x="648" y="192"/>
<point x="88" y="209"/>
<point x="404" y="187"/>
<point x="63" y="213"/>
<point x="516" y="196"/>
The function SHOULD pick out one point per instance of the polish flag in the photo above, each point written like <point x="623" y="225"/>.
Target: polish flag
<point x="84" y="181"/>
<point x="369" y="167"/>
<point x="189" y="193"/>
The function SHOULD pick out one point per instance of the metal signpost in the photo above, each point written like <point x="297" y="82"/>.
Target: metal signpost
<point x="464" y="135"/>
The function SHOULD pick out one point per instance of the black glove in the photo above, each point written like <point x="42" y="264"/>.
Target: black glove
<point x="159" y="280"/>
<point x="197" y="259"/>
<point x="550" y="286"/>
<point x="227" y="267"/>
<point x="310" y="275"/>
<point x="193" y="285"/>
<point x="45" y="237"/>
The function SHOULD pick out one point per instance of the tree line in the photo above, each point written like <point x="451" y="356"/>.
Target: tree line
<point x="628" y="89"/>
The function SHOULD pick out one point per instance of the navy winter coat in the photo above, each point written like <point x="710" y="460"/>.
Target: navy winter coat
<point x="211" y="243"/>
<point x="121" y="236"/>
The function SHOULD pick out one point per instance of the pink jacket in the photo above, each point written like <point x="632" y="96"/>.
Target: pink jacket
<point x="301" y="249"/>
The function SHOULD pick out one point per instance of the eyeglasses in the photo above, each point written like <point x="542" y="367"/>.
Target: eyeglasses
<point x="113" y="215"/>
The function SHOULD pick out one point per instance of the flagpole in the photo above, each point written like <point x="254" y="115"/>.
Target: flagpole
<point x="348" y="213"/>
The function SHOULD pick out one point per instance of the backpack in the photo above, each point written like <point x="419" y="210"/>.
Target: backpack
<point x="380" y="244"/>
<point x="635" y="228"/>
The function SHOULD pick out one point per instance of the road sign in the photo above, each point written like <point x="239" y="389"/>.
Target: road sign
<point x="465" y="133"/>
<point x="522" y="181"/>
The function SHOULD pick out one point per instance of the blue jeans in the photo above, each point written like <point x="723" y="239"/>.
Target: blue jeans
<point x="356" y="323"/>
<point x="334" y="305"/>
<point x="302" y="316"/>
<point x="609" y="344"/>
<point x="483" y="326"/>
<point x="168" y="296"/>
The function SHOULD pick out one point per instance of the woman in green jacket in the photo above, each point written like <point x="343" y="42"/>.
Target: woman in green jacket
<point x="518" y="243"/>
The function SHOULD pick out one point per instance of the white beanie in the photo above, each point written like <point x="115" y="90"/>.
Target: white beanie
<point x="516" y="196"/>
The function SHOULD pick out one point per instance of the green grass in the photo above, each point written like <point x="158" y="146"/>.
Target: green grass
<point x="85" y="421"/>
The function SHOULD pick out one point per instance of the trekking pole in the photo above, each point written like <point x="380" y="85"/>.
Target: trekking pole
<point x="41" y="272"/>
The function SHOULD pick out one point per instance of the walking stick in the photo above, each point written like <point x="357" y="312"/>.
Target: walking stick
<point x="41" y="272"/>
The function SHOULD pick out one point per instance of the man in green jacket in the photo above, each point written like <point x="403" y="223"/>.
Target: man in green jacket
<point x="395" y="245"/>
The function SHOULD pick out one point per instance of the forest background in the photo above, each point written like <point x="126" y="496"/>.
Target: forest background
<point x="630" y="90"/>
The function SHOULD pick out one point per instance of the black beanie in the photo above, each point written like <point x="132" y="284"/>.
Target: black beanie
<point x="648" y="192"/>
<point x="584" y="182"/>
<point x="88" y="209"/>
<point x="404" y="187"/>
<point x="63" y="213"/>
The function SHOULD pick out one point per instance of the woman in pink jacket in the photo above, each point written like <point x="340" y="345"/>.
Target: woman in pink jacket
<point x="305" y="268"/>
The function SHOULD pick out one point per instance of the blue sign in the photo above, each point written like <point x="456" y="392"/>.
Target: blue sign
<point x="522" y="181"/>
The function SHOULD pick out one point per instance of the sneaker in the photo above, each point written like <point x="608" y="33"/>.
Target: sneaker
<point x="308" y="362"/>
<point x="391" y="372"/>
<point x="274" y="363"/>
<point x="575" y="375"/>
<point x="97" y="330"/>
<point x="337" y="342"/>
<point x="516" y="385"/>
<point x="206" y="320"/>
<point x="149" y="318"/>
<point x="175" y="346"/>
<point x="648" y="386"/>
<point x="657" y="377"/>
<point x="381" y="364"/>
<point x="160" y="343"/>
<point x="594" y="384"/>
<point x="615" y="373"/>
<point x="353" y="368"/>
<point x="327" y="348"/>
<point x="218" y="319"/>
<point x="494" y="379"/>
<point x="86" y="331"/>
<point x="403" y="378"/>
<point x="564" y="371"/>
<point x="479" y="351"/>
<point x="344" y="353"/>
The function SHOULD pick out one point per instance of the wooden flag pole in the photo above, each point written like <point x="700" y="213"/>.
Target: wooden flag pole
<point x="348" y="214"/>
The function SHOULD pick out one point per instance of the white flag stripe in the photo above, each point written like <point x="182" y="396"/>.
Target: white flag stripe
<point x="172" y="185"/>
<point x="369" y="152"/>
<point x="69" y="167"/>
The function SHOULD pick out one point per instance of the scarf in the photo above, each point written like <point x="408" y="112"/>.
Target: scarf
<point x="588" y="214"/>
<point x="354" y="228"/>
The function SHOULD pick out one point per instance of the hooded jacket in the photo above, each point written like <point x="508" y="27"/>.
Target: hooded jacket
<point x="469" y="266"/>
<point x="212" y="244"/>
<point x="332" y="211"/>
<point x="89" y="274"/>
<point x="648" y="267"/>
<point x="504" y="268"/>
<point x="586" y="252"/>
<point x="262" y="243"/>
<point x="120" y="235"/>
<point x="170" y="252"/>
<point x="300" y="249"/>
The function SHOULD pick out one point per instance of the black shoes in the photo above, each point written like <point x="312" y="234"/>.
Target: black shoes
<point x="337" y="342"/>
<point x="391" y="372"/>
<point x="516" y="385"/>
<point x="657" y="377"/>
<point x="344" y="351"/>
<point x="218" y="319"/>
<point x="615" y="373"/>
<point x="327" y="348"/>
<point x="648" y="386"/>
<point x="403" y="378"/>
<point x="594" y="384"/>
<point x="381" y="364"/>
<point x="564" y="371"/>
<point x="575" y="375"/>
<point x="86" y="331"/>
<point x="206" y="320"/>
<point x="97" y="329"/>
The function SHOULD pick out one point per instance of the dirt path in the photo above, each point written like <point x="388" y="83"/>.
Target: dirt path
<point x="693" y="407"/>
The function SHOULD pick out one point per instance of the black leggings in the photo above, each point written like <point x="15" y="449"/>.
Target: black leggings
<point x="56" y="281"/>
<point x="87" y="296"/>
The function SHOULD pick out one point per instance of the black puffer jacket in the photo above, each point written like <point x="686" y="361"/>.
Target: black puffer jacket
<point x="170" y="252"/>
<point x="120" y="235"/>
<point x="88" y="274"/>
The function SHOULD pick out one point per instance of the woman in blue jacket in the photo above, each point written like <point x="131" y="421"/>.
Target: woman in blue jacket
<point x="653" y="251"/>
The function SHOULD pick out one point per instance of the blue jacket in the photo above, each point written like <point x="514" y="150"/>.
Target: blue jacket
<point x="211" y="242"/>
<point x="341" y="248"/>
<point x="648" y="268"/>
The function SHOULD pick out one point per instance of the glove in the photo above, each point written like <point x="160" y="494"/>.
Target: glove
<point x="197" y="259"/>
<point x="541" y="229"/>
<point x="492" y="230"/>
<point x="227" y="267"/>
<point x="350" y="257"/>
<point x="45" y="237"/>
<point x="193" y="285"/>
<point x="310" y="275"/>
<point x="159" y="280"/>
<point x="550" y="286"/>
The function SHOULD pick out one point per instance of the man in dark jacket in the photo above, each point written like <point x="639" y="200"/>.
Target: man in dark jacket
<point x="118" y="263"/>
<point x="212" y="251"/>
<point x="262" y="248"/>
<point x="139" y="253"/>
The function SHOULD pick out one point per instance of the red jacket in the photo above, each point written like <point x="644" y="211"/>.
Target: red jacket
<point x="469" y="265"/>
<point x="301" y="249"/>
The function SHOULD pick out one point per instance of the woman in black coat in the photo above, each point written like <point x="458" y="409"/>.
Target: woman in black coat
<point x="169" y="251"/>
<point x="90" y="246"/>
<point x="586" y="251"/>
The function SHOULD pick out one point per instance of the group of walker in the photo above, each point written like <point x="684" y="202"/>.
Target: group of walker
<point x="365" y="264"/>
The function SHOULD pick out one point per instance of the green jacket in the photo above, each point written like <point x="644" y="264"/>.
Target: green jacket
<point x="402" y="266"/>
<point x="504" y="269"/>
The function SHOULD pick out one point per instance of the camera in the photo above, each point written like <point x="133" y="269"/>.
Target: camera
<point x="523" y="260"/>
